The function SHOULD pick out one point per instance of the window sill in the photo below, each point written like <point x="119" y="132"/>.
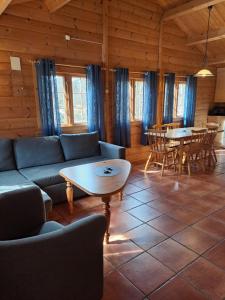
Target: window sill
<point x="136" y="122"/>
<point x="74" y="128"/>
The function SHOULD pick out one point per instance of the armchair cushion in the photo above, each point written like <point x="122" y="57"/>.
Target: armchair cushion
<point x="6" y="155"/>
<point x="48" y="227"/>
<point x="21" y="212"/>
<point x="37" y="151"/>
<point x="77" y="146"/>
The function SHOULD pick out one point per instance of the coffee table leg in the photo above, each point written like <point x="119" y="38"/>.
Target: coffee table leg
<point x="106" y="201"/>
<point x="121" y="195"/>
<point x="69" y="194"/>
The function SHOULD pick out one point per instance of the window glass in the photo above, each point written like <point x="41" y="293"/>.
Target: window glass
<point x="180" y="99"/>
<point x="79" y="99"/>
<point x="138" y="99"/>
<point x="60" y="81"/>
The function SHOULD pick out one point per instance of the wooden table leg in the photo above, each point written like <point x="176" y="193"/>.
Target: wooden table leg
<point x="181" y="155"/>
<point x="121" y="195"/>
<point x="106" y="201"/>
<point x="69" y="194"/>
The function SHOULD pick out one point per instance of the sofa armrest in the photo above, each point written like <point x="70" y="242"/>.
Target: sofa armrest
<point x="64" y="264"/>
<point x="112" y="151"/>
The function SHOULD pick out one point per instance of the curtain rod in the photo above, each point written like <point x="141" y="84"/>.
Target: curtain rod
<point x="111" y="70"/>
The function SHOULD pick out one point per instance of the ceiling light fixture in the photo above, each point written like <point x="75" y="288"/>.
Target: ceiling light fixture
<point x="205" y="72"/>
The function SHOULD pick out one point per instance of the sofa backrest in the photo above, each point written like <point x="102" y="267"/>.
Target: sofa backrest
<point x="37" y="151"/>
<point x="77" y="146"/>
<point x="7" y="161"/>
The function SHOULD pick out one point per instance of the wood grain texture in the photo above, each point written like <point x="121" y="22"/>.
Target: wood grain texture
<point x="3" y="5"/>
<point x="54" y="5"/>
<point x="129" y="31"/>
<point x="189" y="7"/>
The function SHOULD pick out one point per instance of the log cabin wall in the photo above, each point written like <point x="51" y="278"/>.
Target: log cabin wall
<point x="29" y="31"/>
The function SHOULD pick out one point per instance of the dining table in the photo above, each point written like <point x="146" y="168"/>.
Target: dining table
<point x="179" y="135"/>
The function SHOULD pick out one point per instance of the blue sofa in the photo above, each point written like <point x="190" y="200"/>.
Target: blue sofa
<point x="36" y="161"/>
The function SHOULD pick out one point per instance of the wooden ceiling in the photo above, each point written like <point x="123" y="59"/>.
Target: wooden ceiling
<point x="190" y="16"/>
<point x="194" y="24"/>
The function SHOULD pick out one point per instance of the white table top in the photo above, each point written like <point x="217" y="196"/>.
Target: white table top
<point x="179" y="133"/>
<point x="85" y="177"/>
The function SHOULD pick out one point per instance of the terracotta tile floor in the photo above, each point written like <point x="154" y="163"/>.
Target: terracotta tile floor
<point x="167" y="236"/>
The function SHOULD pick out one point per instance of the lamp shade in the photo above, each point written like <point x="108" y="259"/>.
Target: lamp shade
<point x="204" y="73"/>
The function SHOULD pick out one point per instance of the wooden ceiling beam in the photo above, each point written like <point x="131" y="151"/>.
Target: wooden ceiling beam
<point x="188" y="7"/>
<point x="213" y="36"/>
<point x="217" y="61"/>
<point x="54" y="5"/>
<point x="19" y="1"/>
<point x="3" y="5"/>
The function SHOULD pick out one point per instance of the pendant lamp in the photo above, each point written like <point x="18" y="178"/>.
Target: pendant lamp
<point x="205" y="72"/>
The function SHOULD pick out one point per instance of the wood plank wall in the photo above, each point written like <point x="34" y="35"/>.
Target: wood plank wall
<point x="29" y="32"/>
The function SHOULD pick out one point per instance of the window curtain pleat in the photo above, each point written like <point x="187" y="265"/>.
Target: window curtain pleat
<point x="122" y="108"/>
<point x="169" y="98"/>
<point x="95" y="102"/>
<point x="190" y="101"/>
<point x="149" y="103"/>
<point x="48" y="97"/>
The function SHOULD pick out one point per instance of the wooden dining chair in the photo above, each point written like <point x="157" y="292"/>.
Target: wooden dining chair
<point x="193" y="152"/>
<point x="209" y="147"/>
<point x="212" y="126"/>
<point x="160" y="153"/>
<point x="172" y="125"/>
<point x="161" y="127"/>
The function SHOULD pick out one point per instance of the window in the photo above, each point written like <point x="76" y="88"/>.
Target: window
<point x="79" y="99"/>
<point x="72" y="99"/>
<point x="179" y="95"/>
<point x="62" y="98"/>
<point x="136" y="93"/>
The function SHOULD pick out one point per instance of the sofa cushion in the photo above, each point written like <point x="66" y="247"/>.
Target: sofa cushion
<point x="13" y="180"/>
<point x="49" y="175"/>
<point x="37" y="151"/>
<point x="7" y="161"/>
<point x="77" y="146"/>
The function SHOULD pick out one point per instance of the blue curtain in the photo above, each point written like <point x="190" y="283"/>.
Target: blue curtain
<point x="149" y="103"/>
<point x="168" y="98"/>
<point x="95" y="103"/>
<point x="122" y="108"/>
<point x="190" y="101"/>
<point x="48" y="97"/>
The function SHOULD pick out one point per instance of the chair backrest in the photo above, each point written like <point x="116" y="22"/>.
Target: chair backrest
<point x="209" y="138"/>
<point x="157" y="140"/>
<point x="21" y="213"/>
<point x="198" y="136"/>
<point x="172" y="125"/>
<point x="159" y="127"/>
<point x="212" y="126"/>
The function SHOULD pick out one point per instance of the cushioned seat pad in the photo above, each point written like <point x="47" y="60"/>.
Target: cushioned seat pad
<point x="12" y="180"/>
<point x="49" y="174"/>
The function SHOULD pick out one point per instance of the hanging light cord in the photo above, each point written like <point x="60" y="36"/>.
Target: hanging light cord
<point x="205" y="61"/>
